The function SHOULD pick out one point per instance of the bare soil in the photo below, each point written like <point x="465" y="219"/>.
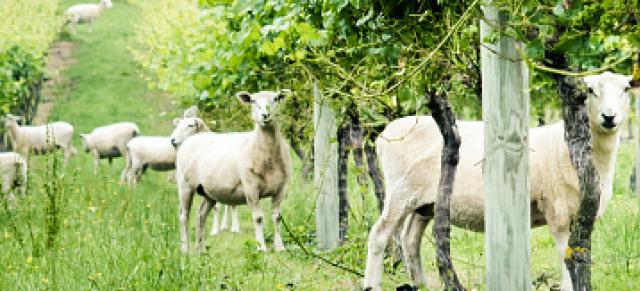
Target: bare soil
<point x="60" y="58"/>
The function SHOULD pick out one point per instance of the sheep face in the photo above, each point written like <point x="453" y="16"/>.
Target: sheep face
<point x="86" y="143"/>
<point x="185" y="127"/>
<point x="264" y="105"/>
<point x="11" y="121"/>
<point x="106" y="3"/>
<point x="608" y="101"/>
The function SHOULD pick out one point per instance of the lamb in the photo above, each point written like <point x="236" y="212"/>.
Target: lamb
<point x="410" y="149"/>
<point x="40" y="138"/>
<point x="109" y="141"/>
<point x="85" y="13"/>
<point x="156" y="152"/>
<point x="184" y="128"/>
<point x="13" y="170"/>
<point x="236" y="168"/>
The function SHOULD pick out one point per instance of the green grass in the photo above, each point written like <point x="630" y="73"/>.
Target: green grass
<point x="76" y="230"/>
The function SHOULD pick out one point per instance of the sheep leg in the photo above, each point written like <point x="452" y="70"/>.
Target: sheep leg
<point x="215" y="226"/>
<point x="225" y="218"/>
<point x="235" y="222"/>
<point x="125" y="154"/>
<point x="135" y="171"/>
<point x="411" y="238"/>
<point x="186" y="199"/>
<point x="276" y="203"/>
<point x="96" y="161"/>
<point x="562" y="242"/>
<point x="253" y="201"/>
<point x="393" y="213"/>
<point x="205" y="208"/>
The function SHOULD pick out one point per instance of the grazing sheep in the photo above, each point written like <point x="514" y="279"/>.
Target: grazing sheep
<point x="109" y="142"/>
<point x="410" y="151"/>
<point x="85" y="13"/>
<point x="40" y="138"/>
<point x="235" y="169"/>
<point x="156" y="152"/>
<point x="13" y="170"/>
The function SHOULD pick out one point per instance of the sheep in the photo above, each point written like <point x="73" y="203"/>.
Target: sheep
<point x="236" y="168"/>
<point x="410" y="150"/>
<point x="85" y="13"/>
<point x="156" y="152"/>
<point x="13" y="170"/>
<point x="109" y="141"/>
<point x="184" y="128"/>
<point x="40" y="138"/>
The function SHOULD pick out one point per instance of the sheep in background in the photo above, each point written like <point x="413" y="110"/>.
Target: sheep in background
<point x="235" y="169"/>
<point x="13" y="170"/>
<point x="85" y="13"/>
<point x="40" y="138"/>
<point x="410" y="151"/>
<point x="155" y="152"/>
<point x="109" y="142"/>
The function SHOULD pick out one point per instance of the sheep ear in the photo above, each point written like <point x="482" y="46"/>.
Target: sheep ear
<point x="633" y="83"/>
<point x="191" y="112"/>
<point x="176" y="121"/>
<point x="244" y="97"/>
<point x="590" y="80"/>
<point x="283" y="93"/>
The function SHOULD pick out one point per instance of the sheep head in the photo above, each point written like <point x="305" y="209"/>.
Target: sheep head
<point x="186" y="127"/>
<point x="11" y="121"/>
<point x="264" y="105"/>
<point x="86" y="142"/>
<point x="106" y="3"/>
<point x="608" y="101"/>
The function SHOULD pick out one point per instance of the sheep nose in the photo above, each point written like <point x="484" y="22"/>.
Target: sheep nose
<point x="174" y="143"/>
<point x="265" y="115"/>
<point x="608" y="120"/>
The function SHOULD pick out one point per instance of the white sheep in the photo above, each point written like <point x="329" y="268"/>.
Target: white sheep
<point x="109" y="141"/>
<point x="235" y="169"/>
<point x="155" y="152"/>
<point x="410" y="151"/>
<point x="85" y="13"/>
<point x="13" y="170"/>
<point x="40" y="138"/>
<point x="184" y="128"/>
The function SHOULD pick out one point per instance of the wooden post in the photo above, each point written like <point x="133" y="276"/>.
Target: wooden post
<point x="636" y="96"/>
<point x="505" y="103"/>
<point x="325" y="170"/>
<point x="636" y="139"/>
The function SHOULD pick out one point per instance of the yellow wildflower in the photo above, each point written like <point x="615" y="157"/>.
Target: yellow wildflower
<point x="29" y="260"/>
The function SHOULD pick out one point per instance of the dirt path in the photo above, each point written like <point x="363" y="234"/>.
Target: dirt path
<point x="60" y="58"/>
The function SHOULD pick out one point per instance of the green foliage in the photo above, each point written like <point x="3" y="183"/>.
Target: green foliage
<point x="20" y="74"/>
<point x="27" y="29"/>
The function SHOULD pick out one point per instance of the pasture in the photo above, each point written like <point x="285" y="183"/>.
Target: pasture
<point x="78" y="231"/>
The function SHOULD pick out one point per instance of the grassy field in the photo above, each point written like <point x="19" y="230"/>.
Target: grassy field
<point x="76" y="230"/>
